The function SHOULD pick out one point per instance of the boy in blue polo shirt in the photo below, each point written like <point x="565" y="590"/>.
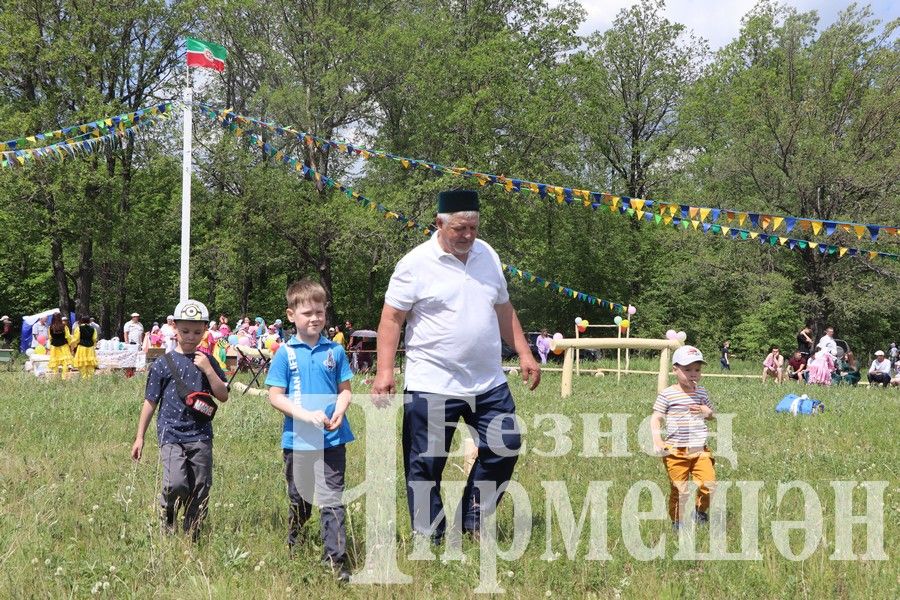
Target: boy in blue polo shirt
<point x="309" y="382"/>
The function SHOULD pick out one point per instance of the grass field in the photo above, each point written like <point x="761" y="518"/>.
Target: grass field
<point x="78" y="517"/>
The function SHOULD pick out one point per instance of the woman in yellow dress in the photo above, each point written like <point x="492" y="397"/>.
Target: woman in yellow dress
<point x="60" y="354"/>
<point x="85" y="337"/>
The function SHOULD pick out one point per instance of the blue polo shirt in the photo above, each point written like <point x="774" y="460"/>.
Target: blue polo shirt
<point x="322" y="369"/>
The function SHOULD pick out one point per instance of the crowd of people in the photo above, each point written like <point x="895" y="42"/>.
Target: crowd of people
<point x="74" y="347"/>
<point x="827" y="363"/>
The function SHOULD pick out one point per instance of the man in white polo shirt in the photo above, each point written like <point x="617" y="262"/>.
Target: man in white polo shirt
<point x="880" y="370"/>
<point x="452" y="294"/>
<point x="133" y="330"/>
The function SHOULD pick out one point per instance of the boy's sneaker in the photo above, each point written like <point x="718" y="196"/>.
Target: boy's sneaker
<point x="339" y="569"/>
<point x="701" y="518"/>
<point x="342" y="573"/>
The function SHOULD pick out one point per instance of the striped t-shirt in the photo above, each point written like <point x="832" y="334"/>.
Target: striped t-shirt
<point x="683" y="428"/>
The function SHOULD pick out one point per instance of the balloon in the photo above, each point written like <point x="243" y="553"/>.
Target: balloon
<point x="275" y="347"/>
<point x="681" y="336"/>
<point x="617" y="320"/>
<point x="625" y="323"/>
<point x="584" y="322"/>
<point x="557" y="351"/>
<point x="557" y="336"/>
<point x="578" y="320"/>
<point x="631" y="310"/>
<point x="233" y="340"/>
<point x="42" y="339"/>
<point x="40" y="349"/>
<point x="582" y="329"/>
<point x="671" y="335"/>
<point x="268" y="343"/>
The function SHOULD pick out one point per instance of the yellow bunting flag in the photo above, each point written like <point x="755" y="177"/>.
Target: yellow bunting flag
<point x="776" y="223"/>
<point x="816" y="227"/>
<point x="842" y="251"/>
<point x="695" y="223"/>
<point x="405" y="163"/>
<point x="667" y="219"/>
<point x="704" y="212"/>
<point x="860" y="231"/>
<point x="754" y="235"/>
<point x="814" y="245"/>
<point x="872" y="254"/>
<point x="741" y="218"/>
<point x="726" y="230"/>
<point x="782" y="240"/>
<point x="673" y="209"/>
<point x="639" y="213"/>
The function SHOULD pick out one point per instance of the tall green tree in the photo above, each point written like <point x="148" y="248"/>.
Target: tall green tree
<point x="794" y="121"/>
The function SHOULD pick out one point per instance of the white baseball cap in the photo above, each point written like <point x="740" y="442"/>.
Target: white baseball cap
<point x="191" y="310"/>
<point x="4" y="318"/>
<point x="879" y="353"/>
<point x="687" y="355"/>
<point x="135" y="315"/>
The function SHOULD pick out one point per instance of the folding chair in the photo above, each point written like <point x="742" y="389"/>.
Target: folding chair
<point x="256" y="361"/>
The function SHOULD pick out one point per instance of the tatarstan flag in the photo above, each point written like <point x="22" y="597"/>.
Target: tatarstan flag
<point x="205" y="54"/>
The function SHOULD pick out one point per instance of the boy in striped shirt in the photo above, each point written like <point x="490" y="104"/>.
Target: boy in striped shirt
<point x="686" y="407"/>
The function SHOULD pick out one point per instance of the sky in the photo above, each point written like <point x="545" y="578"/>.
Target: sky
<point x="719" y="21"/>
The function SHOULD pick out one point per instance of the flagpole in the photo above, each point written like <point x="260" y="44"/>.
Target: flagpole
<point x="186" y="191"/>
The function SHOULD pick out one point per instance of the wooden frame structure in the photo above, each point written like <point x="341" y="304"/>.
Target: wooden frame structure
<point x="570" y="345"/>
<point x="618" y="353"/>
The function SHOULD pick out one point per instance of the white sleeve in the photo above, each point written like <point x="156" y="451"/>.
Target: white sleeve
<point x="403" y="289"/>
<point x="502" y="291"/>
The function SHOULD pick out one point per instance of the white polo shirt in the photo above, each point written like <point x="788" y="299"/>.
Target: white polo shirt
<point x="133" y="332"/>
<point x="452" y="333"/>
<point x="881" y="367"/>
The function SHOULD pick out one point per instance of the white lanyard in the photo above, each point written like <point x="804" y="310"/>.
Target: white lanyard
<point x="295" y="375"/>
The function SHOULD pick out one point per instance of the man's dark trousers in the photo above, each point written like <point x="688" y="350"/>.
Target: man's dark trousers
<point x="429" y="421"/>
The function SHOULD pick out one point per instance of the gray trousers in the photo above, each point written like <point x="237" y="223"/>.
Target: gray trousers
<point x="317" y="477"/>
<point x="187" y="478"/>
